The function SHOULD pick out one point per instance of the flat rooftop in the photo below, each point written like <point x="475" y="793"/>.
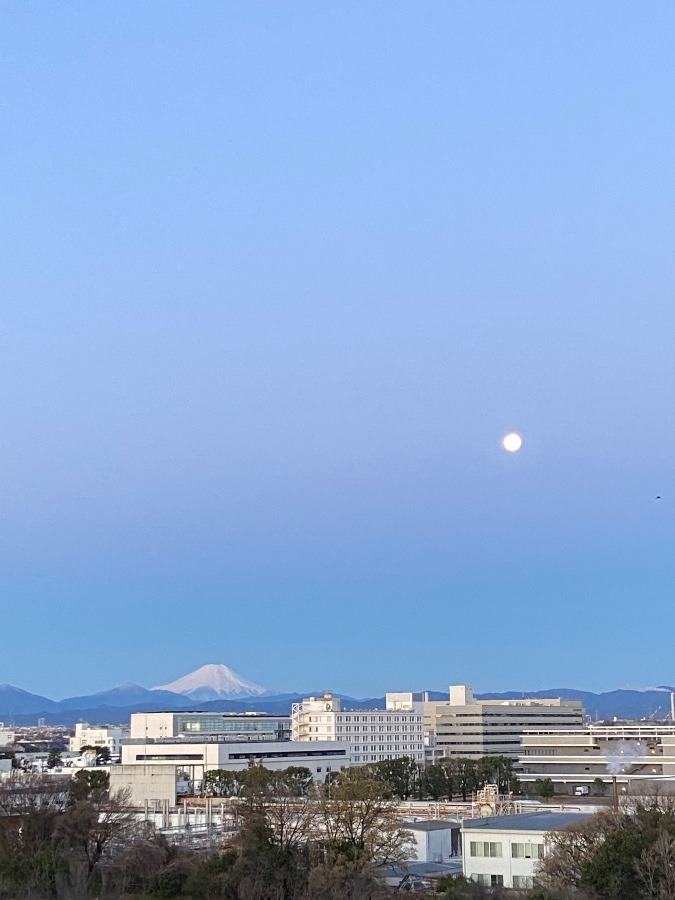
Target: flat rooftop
<point x="534" y="821"/>
<point x="432" y="825"/>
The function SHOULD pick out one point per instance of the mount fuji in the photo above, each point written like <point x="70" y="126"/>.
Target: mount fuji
<point x="213" y="682"/>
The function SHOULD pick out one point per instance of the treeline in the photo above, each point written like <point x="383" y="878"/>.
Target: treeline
<point x="403" y="778"/>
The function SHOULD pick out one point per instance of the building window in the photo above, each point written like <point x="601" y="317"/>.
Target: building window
<point x="489" y="880"/>
<point x="523" y="882"/>
<point x="486" y="848"/>
<point x="527" y="851"/>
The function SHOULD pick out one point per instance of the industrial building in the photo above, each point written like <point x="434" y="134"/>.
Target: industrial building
<point x="589" y="759"/>
<point x="465" y="726"/>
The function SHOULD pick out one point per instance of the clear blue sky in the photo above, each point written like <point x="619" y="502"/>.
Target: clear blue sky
<point x="275" y="280"/>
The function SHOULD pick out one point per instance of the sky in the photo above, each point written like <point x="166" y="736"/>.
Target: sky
<point x="275" y="280"/>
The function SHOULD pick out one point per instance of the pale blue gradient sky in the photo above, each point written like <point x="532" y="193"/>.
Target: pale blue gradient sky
<point x="275" y="279"/>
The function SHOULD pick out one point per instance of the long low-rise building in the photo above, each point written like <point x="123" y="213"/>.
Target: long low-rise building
<point x="589" y="759"/>
<point x="235" y="726"/>
<point x="195" y="756"/>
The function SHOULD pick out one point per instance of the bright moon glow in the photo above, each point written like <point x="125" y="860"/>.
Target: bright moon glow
<point x="512" y="442"/>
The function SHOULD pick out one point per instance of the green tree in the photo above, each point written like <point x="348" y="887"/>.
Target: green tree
<point x="298" y="780"/>
<point x="544" y="788"/>
<point x="54" y="758"/>
<point x="86" y="783"/>
<point x="221" y="783"/>
<point x="435" y="782"/>
<point x="401" y="776"/>
<point x="466" y="773"/>
<point x="612" y="873"/>
<point x="495" y="770"/>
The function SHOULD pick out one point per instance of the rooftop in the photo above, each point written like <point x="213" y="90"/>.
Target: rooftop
<point x="432" y="825"/>
<point x="534" y="821"/>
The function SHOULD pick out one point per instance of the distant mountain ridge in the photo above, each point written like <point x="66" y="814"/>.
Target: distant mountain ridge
<point x="127" y="694"/>
<point x="117" y="704"/>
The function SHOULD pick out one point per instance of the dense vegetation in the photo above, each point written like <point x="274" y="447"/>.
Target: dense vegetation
<point x="74" y="839"/>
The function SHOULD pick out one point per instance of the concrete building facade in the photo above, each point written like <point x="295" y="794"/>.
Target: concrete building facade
<point x="465" y="726"/>
<point x="235" y="726"/>
<point x="506" y="851"/>
<point x="195" y="756"/>
<point x="581" y="758"/>
<point x="372" y="735"/>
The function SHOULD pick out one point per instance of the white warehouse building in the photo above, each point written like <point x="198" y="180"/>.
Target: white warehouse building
<point x="506" y="851"/>
<point x="195" y="756"/>
<point x="371" y="734"/>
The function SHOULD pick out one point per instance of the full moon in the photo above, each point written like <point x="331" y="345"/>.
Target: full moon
<point x="512" y="442"/>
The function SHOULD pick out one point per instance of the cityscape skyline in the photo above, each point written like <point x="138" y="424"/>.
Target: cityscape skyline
<point x="276" y="282"/>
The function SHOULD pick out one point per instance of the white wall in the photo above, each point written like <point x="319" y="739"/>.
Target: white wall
<point x="433" y="846"/>
<point x="505" y="865"/>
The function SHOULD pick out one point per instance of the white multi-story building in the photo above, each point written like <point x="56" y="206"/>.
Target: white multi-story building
<point x="7" y="736"/>
<point x="110" y="736"/>
<point x="506" y="851"/>
<point x="465" y="726"/>
<point x="371" y="734"/>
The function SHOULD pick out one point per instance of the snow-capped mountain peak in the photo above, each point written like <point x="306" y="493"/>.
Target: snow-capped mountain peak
<point x="213" y="682"/>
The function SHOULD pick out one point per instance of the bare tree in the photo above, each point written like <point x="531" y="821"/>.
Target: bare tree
<point x="100" y="824"/>
<point x="570" y="850"/>
<point x="656" y="868"/>
<point x="360" y="824"/>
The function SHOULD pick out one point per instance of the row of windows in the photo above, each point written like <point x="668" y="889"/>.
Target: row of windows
<point x="341" y="728"/>
<point x="412" y="717"/>
<point x="527" y="851"/>
<point x="156" y="757"/>
<point x="444" y="743"/>
<point x="292" y="754"/>
<point x="493" y="849"/>
<point x="373" y="757"/>
<point x="220" y="725"/>
<point x="383" y="747"/>
<point x="537" y="714"/>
